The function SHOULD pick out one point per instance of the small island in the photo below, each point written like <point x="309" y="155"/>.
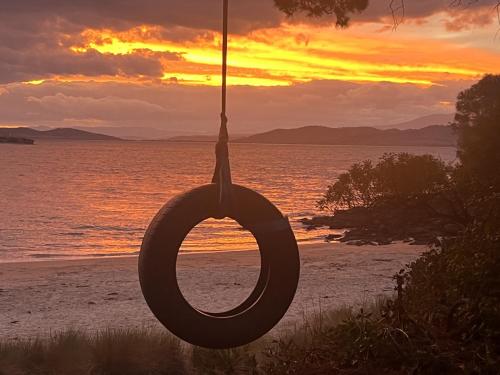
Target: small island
<point x="17" y="140"/>
<point x="25" y="135"/>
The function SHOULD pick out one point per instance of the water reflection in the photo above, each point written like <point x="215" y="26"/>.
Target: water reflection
<point x="79" y="199"/>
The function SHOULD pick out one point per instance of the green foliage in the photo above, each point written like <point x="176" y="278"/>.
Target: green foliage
<point x="362" y="343"/>
<point x="395" y="177"/>
<point x="477" y="122"/>
<point x="341" y="9"/>
<point x="445" y="319"/>
<point x="453" y="295"/>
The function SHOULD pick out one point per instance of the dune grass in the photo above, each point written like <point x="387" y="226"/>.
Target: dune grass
<point x="149" y="352"/>
<point x="108" y="352"/>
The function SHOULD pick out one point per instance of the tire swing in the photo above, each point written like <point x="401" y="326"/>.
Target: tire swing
<point x="280" y="265"/>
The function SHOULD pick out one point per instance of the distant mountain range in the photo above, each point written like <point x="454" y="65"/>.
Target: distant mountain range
<point x="136" y="133"/>
<point x="434" y="135"/>
<point x="60" y="133"/>
<point x="422" y="122"/>
<point x="320" y="135"/>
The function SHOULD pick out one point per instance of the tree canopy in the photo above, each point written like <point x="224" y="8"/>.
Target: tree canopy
<point x="341" y="9"/>
<point x="344" y="9"/>
<point x="400" y="177"/>
<point x="477" y="122"/>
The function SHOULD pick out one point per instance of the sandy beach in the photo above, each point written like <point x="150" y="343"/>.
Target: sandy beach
<point x="40" y="298"/>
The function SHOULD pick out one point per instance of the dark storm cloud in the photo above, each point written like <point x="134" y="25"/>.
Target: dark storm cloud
<point x="39" y="62"/>
<point x="246" y="15"/>
<point x="252" y="109"/>
<point x="35" y="43"/>
<point x="123" y="14"/>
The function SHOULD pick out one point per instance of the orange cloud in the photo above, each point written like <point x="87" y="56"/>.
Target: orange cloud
<point x="292" y="54"/>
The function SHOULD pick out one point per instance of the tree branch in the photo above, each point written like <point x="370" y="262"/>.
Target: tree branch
<point x="344" y="9"/>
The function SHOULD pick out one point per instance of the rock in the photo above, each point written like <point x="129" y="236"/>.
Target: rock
<point x="359" y="243"/>
<point x="423" y="241"/>
<point x="333" y="237"/>
<point x="317" y="222"/>
<point x="384" y="241"/>
<point x="386" y="222"/>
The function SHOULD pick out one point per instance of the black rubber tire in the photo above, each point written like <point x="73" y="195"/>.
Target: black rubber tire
<point x="266" y="305"/>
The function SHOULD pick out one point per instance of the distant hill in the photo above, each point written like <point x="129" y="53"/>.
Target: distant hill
<point x="133" y="132"/>
<point x="60" y="133"/>
<point x="321" y="135"/>
<point x="422" y="122"/>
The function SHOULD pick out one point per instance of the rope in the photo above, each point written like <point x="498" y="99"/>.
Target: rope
<point x="225" y="18"/>
<point x="222" y="173"/>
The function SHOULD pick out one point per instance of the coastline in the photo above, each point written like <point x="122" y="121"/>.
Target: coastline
<point x="38" y="299"/>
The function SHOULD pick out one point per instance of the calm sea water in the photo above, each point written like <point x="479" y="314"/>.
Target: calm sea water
<point x="84" y="199"/>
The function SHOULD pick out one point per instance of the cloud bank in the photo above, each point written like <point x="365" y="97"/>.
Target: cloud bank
<point x="251" y="109"/>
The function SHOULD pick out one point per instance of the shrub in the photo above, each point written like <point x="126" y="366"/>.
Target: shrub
<point x="395" y="177"/>
<point x="453" y="293"/>
<point x="445" y="319"/>
<point x="404" y="176"/>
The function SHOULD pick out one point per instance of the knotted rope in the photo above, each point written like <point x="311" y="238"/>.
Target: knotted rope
<point x="222" y="173"/>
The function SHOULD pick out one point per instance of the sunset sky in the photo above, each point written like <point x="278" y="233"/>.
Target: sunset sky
<point x="156" y="64"/>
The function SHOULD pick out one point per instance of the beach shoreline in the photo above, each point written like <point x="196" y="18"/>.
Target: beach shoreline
<point x="69" y="258"/>
<point x="41" y="298"/>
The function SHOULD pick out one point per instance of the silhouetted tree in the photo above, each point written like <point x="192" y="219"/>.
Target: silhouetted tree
<point x="396" y="177"/>
<point x="341" y="9"/>
<point x="344" y="9"/>
<point x="477" y="122"/>
<point x="354" y="188"/>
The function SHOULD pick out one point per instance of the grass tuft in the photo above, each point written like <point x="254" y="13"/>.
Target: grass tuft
<point x="112" y="352"/>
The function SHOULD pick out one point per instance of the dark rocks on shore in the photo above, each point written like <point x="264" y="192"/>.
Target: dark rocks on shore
<point x="331" y="237"/>
<point x="384" y="224"/>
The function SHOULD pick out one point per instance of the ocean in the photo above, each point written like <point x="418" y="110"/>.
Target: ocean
<point x="77" y="199"/>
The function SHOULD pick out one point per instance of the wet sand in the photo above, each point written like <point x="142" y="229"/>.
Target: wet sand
<point x="41" y="298"/>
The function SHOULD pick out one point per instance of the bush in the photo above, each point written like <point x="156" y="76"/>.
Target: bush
<point x="445" y="319"/>
<point x="395" y="177"/>
<point x="453" y="293"/>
